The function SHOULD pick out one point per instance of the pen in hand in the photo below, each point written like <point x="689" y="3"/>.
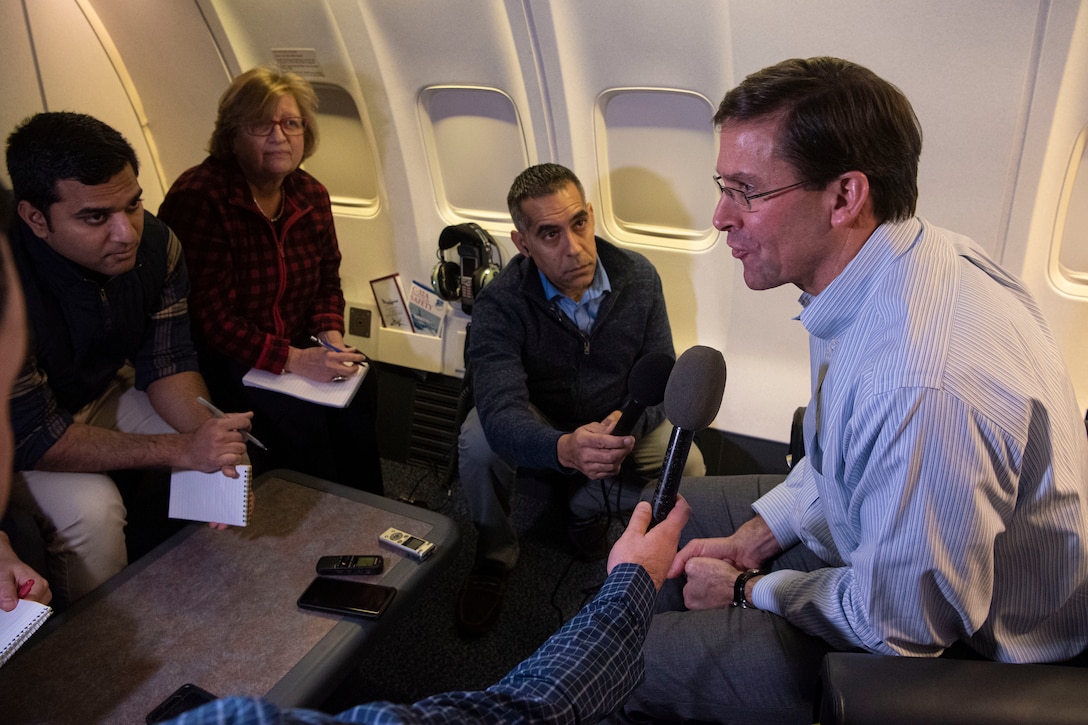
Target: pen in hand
<point x="220" y="414"/>
<point x="333" y="348"/>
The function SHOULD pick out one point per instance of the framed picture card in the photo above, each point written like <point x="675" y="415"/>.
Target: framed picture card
<point x="390" y="300"/>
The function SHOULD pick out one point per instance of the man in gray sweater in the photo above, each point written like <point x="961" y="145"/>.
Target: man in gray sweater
<point x="553" y="341"/>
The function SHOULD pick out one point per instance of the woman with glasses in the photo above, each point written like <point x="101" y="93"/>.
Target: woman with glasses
<point x="264" y="264"/>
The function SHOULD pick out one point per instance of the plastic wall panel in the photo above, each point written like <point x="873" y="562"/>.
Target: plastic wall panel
<point x="475" y="147"/>
<point x="602" y="87"/>
<point x="648" y="142"/>
<point x="1071" y="228"/>
<point x="1038" y="232"/>
<point x="171" y="57"/>
<point x="965" y="67"/>
<point x="78" y="76"/>
<point x="19" y="81"/>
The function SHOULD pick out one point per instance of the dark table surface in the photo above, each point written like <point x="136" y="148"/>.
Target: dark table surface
<point x="217" y="609"/>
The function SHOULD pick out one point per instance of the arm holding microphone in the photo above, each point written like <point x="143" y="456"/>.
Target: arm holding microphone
<point x="692" y="399"/>
<point x="693" y="396"/>
<point x="593" y="449"/>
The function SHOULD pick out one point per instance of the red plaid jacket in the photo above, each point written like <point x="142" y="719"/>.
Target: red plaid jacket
<point x="256" y="286"/>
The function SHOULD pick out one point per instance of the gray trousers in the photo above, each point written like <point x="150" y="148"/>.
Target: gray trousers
<point x="487" y="480"/>
<point x="726" y="665"/>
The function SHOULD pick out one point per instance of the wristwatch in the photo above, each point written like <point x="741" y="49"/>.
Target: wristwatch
<point x="739" y="599"/>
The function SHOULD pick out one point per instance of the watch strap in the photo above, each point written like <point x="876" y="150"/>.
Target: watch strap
<point x="739" y="598"/>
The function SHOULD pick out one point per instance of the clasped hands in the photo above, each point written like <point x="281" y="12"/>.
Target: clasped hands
<point x="711" y="566"/>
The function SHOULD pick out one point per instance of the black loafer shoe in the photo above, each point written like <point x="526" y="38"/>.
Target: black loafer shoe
<point x="481" y="598"/>
<point x="590" y="537"/>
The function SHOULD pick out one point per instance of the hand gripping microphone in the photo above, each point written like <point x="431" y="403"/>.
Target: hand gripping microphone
<point x="692" y="399"/>
<point x="646" y="388"/>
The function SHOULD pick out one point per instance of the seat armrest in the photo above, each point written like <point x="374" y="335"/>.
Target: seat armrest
<point x="859" y="689"/>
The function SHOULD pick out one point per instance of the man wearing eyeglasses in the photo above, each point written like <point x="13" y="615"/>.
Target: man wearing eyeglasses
<point x="942" y="504"/>
<point x="110" y="381"/>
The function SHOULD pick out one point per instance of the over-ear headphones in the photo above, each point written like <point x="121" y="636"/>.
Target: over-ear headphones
<point x="453" y="281"/>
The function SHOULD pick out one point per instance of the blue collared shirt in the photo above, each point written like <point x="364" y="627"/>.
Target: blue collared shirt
<point x="945" y="468"/>
<point x="584" y="312"/>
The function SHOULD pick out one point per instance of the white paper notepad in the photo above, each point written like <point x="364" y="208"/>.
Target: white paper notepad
<point x="17" y="625"/>
<point x="216" y="497"/>
<point x="336" y="395"/>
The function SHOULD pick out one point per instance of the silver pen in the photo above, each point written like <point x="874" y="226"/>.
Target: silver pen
<point x="220" y="414"/>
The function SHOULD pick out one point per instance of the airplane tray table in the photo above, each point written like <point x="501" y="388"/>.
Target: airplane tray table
<point x="217" y="609"/>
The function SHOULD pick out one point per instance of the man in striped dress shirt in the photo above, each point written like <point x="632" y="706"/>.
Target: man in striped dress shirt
<point x="942" y="505"/>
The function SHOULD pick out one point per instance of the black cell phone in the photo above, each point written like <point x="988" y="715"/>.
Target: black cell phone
<point x="347" y="596"/>
<point x="351" y="564"/>
<point x="185" y="698"/>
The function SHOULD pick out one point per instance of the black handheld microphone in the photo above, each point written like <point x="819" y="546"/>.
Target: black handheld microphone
<point x="646" y="388"/>
<point x="692" y="399"/>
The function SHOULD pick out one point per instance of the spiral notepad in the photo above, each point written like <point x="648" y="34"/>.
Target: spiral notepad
<point x="198" y="496"/>
<point x="17" y="625"/>
<point x="335" y="395"/>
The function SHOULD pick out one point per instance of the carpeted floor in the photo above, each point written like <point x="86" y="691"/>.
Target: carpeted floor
<point x="424" y="654"/>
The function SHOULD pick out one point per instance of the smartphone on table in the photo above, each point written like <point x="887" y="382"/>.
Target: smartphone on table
<point x="185" y="698"/>
<point x="346" y="597"/>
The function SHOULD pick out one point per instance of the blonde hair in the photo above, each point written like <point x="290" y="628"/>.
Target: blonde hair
<point x="252" y="97"/>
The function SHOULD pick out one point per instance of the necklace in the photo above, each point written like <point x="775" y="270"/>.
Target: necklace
<point x="278" y="214"/>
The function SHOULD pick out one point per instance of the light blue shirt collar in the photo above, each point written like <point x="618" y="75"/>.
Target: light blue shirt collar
<point x="584" y="312"/>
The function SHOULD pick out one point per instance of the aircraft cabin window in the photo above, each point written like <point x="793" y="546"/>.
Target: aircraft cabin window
<point x="344" y="160"/>
<point x="1072" y="227"/>
<point x="475" y="147"/>
<point x="655" y="151"/>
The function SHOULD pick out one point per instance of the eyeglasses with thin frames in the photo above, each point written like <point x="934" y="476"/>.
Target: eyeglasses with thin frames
<point x="291" y="126"/>
<point x="743" y="199"/>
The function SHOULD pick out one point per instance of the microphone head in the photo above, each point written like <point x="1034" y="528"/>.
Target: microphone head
<point x="693" y="394"/>
<point x="649" y="377"/>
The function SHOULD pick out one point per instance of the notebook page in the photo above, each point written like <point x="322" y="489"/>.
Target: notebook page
<point x="199" y="496"/>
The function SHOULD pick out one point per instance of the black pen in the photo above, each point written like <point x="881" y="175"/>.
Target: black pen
<point x="220" y="414"/>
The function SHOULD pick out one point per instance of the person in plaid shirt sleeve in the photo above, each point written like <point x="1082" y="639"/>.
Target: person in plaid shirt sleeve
<point x="579" y="675"/>
<point x="264" y="264"/>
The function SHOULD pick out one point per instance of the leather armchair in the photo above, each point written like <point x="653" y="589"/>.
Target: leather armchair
<point x="868" y="689"/>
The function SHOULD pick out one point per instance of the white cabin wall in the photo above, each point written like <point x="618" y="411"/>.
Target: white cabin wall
<point x="589" y="48"/>
<point x="105" y="58"/>
<point x="999" y="87"/>
<point x="466" y="47"/>
<point x="1059" y="114"/>
<point x="19" y="81"/>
